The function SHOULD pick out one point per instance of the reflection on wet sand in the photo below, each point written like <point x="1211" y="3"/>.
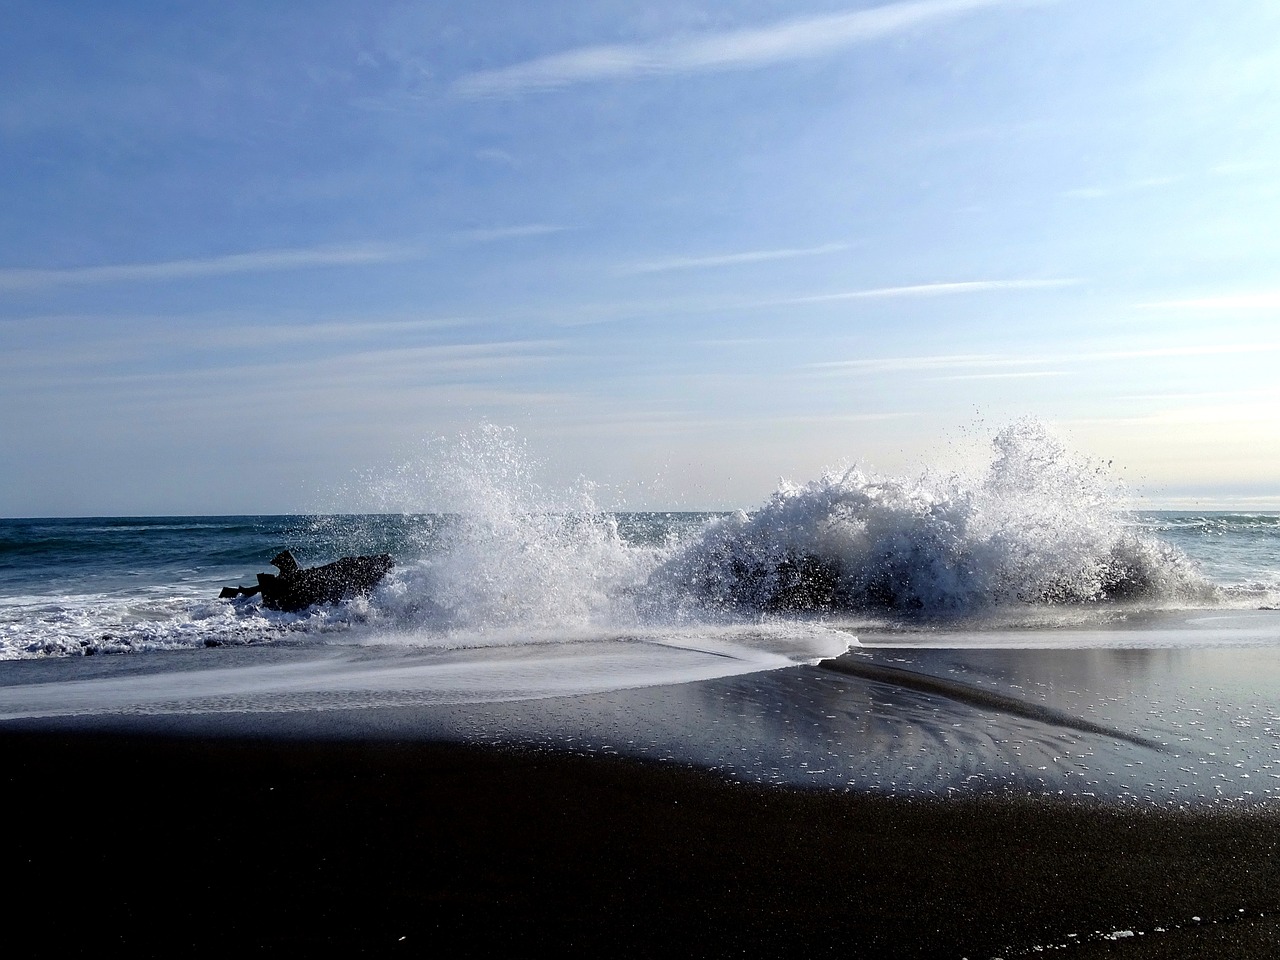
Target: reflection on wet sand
<point x="1161" y="727"/>
<point x="973" y="696"/>
<point x="1169" y="727"/>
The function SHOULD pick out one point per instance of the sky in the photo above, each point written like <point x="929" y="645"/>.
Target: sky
<point x="251" y="253"/>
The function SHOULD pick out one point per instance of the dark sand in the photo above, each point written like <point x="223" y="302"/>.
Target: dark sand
<point x="182" y="845"/>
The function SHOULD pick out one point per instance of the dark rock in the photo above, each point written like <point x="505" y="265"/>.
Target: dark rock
<point x="296" y="588"/>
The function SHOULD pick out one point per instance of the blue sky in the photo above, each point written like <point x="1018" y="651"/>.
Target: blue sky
<point x="249" y="252"/>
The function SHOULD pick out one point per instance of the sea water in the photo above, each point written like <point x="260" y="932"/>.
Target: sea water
<point x="1036" y="541"/>
<point x="1017" y="604"/>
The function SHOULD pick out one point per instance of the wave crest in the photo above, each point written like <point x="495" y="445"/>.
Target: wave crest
<point x="1040" y="526"/>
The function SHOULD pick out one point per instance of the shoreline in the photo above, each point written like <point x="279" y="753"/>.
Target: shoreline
<point x="806" y="811"/>
<point x="199" y="844"/>
<point x="1144" y="728"/>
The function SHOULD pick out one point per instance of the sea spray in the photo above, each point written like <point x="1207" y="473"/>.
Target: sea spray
<point x="1040" y="526"/>
<point x="490" y="553"/>
<point x="511" y="552"/>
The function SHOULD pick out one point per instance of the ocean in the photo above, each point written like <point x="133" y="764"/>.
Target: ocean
<point x="1005" y="631"/>
<point x="79" y="587"/>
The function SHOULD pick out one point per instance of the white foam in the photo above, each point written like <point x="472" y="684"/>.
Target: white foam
<point x="1041" y="526"/>
<point x="407" y="674"/>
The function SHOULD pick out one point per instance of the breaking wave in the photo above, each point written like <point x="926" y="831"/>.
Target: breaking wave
<point x="1041" y="526"/>
<point x="489" y="554"/>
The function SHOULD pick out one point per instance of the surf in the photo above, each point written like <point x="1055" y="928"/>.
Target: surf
<point x="1039" y="527"/>
<point x="488" y="554"/>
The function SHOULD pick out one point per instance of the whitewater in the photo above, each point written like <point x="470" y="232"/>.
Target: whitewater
<point x="1036" y="542"/>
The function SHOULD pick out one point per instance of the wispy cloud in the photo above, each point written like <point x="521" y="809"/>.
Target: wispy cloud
<point x="510" y="233"/>
<point x="992" y="360"/>
<point x="594" y="418"/>
<point x="1117" y="189"/>
<point x="256" y="262"/>
<point x="936" y="289"/>
<point x="1269" y="300"/>
<point x="494" y="155"/>
<point x="1273" y="394"/>
<point x="939" y="362"/>
<point x="480" y="363"/>
<point x="266" y="334"/>
<point x="1011" y="375"/>
<point x="731" y="259"/>
<point x="586" y="313"/>
<point x="789" y="40"/>
<point x="1237" y="168"/>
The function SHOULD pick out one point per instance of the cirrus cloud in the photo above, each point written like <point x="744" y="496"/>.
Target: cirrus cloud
<point x="789" y="40"/>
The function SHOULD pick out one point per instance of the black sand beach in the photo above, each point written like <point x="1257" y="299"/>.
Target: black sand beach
<point x="183" y="845"/>
<point x="896" y="802"/>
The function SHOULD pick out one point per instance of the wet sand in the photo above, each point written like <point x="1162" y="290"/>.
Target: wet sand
<point x="181" y="845"/>
<point x="897" y="802"/>
<point x="1164" y="727"/>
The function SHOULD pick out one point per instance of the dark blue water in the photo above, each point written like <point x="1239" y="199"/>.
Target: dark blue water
<point x="59" y="556"/>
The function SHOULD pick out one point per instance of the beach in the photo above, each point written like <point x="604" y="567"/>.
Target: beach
<point x="649" y="734"/>
<point x="383" y="829"/>
<point x="198" y="845"/>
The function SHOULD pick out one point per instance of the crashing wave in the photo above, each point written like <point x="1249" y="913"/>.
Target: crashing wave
<point x="1041" y="526"/>
<point x="516" y="561"/>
